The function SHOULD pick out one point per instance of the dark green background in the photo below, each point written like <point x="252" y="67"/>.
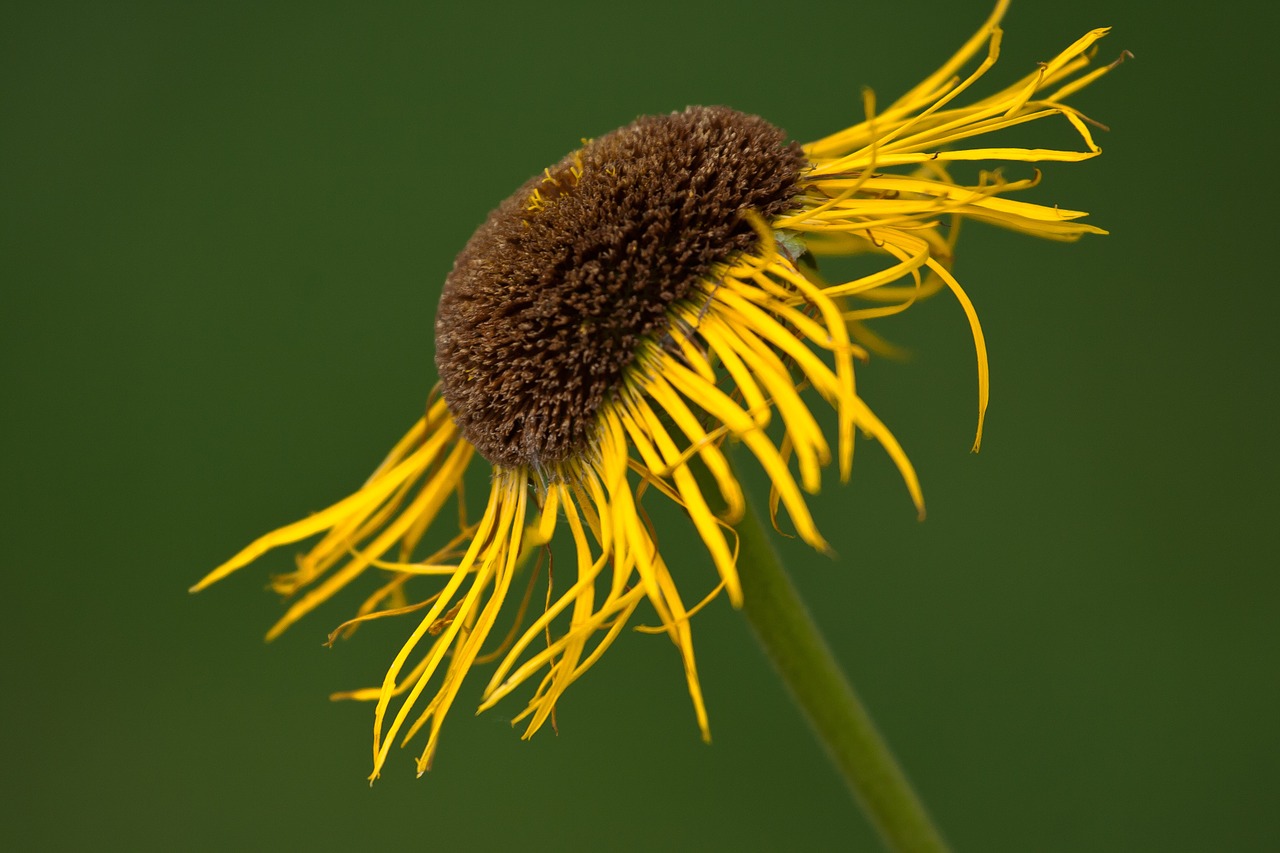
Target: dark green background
<point x="224" y="232"/>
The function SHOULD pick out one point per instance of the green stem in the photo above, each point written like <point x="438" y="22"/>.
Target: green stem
<point x="788" y="635"/>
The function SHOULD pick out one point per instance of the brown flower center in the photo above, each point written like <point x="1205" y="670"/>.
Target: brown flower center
<point x="548" y="303"/>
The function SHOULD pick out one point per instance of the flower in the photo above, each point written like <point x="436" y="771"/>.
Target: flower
<point x="619" y="320"/>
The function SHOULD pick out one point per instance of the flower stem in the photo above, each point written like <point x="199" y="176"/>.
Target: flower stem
<point x="788" y="635"/>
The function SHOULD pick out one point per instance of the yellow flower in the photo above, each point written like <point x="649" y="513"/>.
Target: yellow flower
<point x="618" y="320"/>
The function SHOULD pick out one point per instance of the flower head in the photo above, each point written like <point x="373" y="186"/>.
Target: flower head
<point x="612" y="328"/>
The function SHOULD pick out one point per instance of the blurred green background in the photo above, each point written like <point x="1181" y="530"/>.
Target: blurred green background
<point x="225" y="227"/>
